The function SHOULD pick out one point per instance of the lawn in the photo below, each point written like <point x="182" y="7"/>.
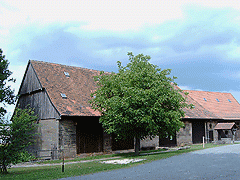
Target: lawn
<point x="55" y="172"/>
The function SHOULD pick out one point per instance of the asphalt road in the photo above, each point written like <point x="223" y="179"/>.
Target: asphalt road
<point x="215" y="163"/>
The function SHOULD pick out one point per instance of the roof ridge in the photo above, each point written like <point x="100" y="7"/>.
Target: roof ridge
<point x="39" y="61"/>
<point x="209" y="91"/>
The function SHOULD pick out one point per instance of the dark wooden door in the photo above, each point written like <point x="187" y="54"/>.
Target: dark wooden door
<point x="198" y="131"/>
<point x="89" y="136"/>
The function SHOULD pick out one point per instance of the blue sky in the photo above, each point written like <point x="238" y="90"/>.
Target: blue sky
<point x="198" y="40"/>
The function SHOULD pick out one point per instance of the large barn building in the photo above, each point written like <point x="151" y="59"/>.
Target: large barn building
<point x="60" y="95"/>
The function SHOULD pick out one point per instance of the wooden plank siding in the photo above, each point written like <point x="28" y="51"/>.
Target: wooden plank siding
<point x="34" y="95"/>
<point x="41" y="104"/>
<point x="30" y="81"/>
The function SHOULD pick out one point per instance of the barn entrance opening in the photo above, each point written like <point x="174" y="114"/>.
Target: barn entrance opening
<point x="122" y="144"/>
<point x="198" y="131"/>
<point x="169" y="141"/>
<point x="89" y="135"/>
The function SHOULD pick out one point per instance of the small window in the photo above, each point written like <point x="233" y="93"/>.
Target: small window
<point x="66" y="74"/>
<point x="217" y="100"/>
<point x="63" y="95"/>
<point x="229" y="100"/>
<point x="210" y="126"/>
<point x="204" y="99"/>
<point x="226" y="132"/>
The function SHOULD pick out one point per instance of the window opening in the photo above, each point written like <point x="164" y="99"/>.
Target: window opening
<point x="217" y="100"/>
<point x="63" y="95"/>
<point x="66" y="74"/>
<point x="204" y="99"/>
<point x="229" y="100"/>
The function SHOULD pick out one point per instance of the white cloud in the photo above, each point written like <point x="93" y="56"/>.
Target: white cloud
<point x="234" y="53"/>
<point x="99" y="14"/>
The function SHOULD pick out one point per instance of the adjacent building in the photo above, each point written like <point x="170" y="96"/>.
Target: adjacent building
<point x="210" y="108"/>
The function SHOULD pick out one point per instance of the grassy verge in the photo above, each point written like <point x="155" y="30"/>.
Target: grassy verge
<point x="54" y="172"/>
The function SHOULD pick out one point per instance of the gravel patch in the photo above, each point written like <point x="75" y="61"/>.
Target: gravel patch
<point x="122" y="161"/>
<point x="28" y="164"/>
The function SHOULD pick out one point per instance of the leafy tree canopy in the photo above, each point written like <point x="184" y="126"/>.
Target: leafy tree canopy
<point x="15" y="137"/>
<point x="6" y="94"/>
<point x="141" y="100"/>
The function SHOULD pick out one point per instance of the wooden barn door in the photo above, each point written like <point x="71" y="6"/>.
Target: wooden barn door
<point x="198" y="131"/>
<point x="89" y="136"/>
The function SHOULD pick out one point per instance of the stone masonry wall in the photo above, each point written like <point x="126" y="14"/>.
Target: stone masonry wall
<point x="67" y="137"/>
<point x="210" y="127"/>
<point x="145" y="143"/>
<point x="184" y="136"/>
<point x="46" y="139"/>
<point x="107" y="142"/>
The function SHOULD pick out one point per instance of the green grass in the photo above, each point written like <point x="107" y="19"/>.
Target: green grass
<point x="55" y="172"/>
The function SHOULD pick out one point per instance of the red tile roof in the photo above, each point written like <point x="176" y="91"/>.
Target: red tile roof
<point x="80" y="84"/>
<point x="77" y="87"/>
<point x="214" y="105"/>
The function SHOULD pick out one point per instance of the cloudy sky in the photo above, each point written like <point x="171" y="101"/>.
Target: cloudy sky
<point x="198" y="40"/>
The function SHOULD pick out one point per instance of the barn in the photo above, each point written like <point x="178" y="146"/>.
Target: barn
<point x="60" y="97"/>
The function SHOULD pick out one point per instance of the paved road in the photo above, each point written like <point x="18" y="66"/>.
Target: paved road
<point x="215" y="163"/>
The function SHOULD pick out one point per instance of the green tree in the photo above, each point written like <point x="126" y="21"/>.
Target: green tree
<point x="16" y="137"/>
<point x="6" y="94"/>
<point x="139" y="101"/>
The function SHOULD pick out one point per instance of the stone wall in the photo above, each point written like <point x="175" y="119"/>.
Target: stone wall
<point x="67" y="137"/>
<point x="46" y="139"/>
<point x="210" y="127"/>
<point x="107" y="142"/>
<point x="237" y="134"/>
<point x="184" y="136"/>
<point x="147" y="142"/>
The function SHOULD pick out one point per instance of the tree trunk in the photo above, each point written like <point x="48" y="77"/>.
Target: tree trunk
<point x="3" y="166"/>
<point x="137" y="146"/>
<point x="4" y="169"/>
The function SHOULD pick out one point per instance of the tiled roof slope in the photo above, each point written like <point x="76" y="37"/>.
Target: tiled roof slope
<point x="198" y="112"/>
<point x="224" y="126"/>
<point x="215" y="105"/>
<point x="81" y="84"/>
<point x="77" y="87"/>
